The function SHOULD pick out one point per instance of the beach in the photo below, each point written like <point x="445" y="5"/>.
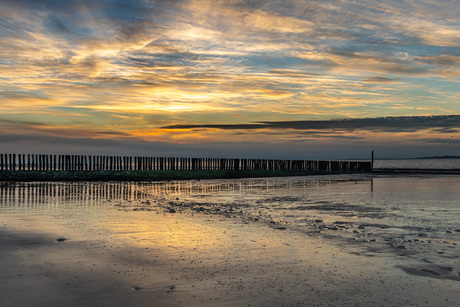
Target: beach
<point x="226" y="243"/>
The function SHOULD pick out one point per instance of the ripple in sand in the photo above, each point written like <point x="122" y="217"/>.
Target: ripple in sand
<point x="430" y="270"/>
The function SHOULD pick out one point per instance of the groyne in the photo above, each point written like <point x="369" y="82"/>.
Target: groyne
<point x="50" y="162"/>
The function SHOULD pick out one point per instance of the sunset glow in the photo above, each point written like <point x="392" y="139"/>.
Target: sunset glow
<point x="197" y="78"/>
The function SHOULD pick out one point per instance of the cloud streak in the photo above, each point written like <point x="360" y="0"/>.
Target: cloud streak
<point x="443" y="124"/>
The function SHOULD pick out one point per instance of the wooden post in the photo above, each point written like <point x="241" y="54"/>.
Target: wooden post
<point x="372" y="161"/>
<point x="19" y="162"/>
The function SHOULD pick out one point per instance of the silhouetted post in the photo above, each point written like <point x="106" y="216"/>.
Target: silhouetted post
<point x="372" y="162"/>
<point x="335" y="166"/>
<point x="20" y="162"/>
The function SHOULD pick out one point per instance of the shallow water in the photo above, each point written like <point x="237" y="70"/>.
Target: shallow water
<point x="328" y="240"/>
<point x="444" y="164"/>
<point x="378" y="213"/>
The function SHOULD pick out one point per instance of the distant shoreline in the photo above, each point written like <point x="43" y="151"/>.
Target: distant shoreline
<point x="433" y="171"/>
<point x="421" y="158"/>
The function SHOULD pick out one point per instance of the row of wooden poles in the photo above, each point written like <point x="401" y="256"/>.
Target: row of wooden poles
<point x="40" y="162"/>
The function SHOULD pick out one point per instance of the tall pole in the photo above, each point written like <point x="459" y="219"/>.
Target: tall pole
<point x="372" y="162"/>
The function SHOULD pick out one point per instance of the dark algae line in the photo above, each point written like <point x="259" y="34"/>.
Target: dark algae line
<point x="150" y="175"/>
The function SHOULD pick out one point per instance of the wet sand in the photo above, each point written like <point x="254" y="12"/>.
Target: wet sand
<point x="161" y="257"/>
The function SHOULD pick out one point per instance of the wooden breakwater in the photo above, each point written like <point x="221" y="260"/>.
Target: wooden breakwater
<point x="47" y="162"/>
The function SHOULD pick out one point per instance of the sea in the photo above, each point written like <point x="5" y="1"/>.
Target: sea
<point x="416" y="215"/>
<point x="443" y="164"/>
<point x="405" y="225"/>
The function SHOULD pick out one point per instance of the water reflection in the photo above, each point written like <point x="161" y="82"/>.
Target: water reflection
<point x="382" y="211"/>
<point x="50" y="194"/>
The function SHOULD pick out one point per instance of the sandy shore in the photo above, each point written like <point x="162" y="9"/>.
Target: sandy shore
<point x="157" y="258"/>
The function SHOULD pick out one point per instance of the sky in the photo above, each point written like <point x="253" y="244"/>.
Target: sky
<point x="285" y="79"/>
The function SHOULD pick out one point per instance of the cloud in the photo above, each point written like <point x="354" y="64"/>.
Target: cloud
<point x="378" y="79"/>
<point x="338" y="149"/>
<point x="127" y="68"/>
<point x="445" y="124"/>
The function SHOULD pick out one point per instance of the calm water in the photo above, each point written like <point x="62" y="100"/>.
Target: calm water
<point x="386" y="210"/>
<point x="354" y="240"/>
<point x="419" y="163"/>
